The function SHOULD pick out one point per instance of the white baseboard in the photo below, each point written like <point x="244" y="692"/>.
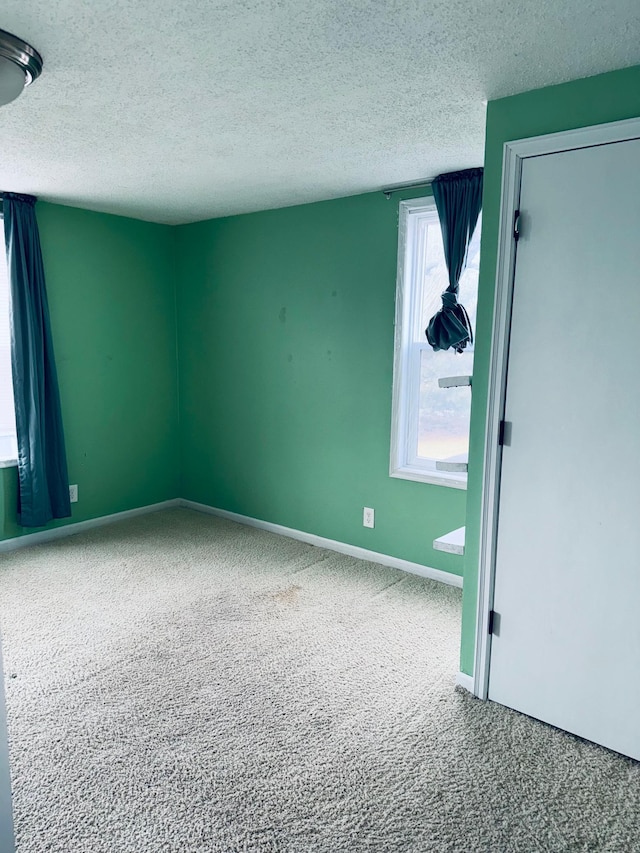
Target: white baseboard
<point x="466" y="681"/>
<point x="310" y="538"/>
<point x="80" y="526"/>
<point x="330" y="544"/>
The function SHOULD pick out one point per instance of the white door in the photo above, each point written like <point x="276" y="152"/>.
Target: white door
<point x="567" y="577"/>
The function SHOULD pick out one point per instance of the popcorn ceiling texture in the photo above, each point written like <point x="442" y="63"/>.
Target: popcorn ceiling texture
<point x="179" y="111"/>
<point x="179" y="683"/>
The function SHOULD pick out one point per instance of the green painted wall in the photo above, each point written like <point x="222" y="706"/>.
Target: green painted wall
<point x="111" y="288"/>
<point x="285" y="327"/>
<point x="595" y="100"/>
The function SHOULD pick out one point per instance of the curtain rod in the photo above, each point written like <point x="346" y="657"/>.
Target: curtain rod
<point x="390" y="190"/>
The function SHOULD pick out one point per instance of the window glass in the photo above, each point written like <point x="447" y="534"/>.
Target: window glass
<point x="8" y="448"/>
<point x="443" y="427"/>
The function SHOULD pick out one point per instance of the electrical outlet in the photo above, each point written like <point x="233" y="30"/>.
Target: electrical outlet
<point x="73" y="494"/>
<point x="368" y="517"/>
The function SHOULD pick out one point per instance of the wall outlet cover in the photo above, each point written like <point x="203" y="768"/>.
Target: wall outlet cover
<point x="73" y="494"/>
<point x="368" y="517"/>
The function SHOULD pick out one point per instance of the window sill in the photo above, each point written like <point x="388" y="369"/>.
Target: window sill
<point x="451" y="543"/>
<point x="8" y="463"/>
<point x="435" y="478"/>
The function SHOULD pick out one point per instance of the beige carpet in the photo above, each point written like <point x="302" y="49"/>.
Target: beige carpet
<point x="181" y="683"/>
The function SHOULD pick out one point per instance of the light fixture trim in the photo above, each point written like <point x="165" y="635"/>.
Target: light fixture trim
<point x="22" y="54"/>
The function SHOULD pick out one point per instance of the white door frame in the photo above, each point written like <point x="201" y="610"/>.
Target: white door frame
<point x="6" y="815"/>
<point x="514" y="154"/>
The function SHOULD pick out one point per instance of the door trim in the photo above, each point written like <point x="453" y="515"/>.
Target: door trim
<point x="514" y="153"/>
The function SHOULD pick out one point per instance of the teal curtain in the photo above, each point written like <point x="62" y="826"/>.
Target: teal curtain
<point x="42" y="462"/>
<point x="458" y="197"/>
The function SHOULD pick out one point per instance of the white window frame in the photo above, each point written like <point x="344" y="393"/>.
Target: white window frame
<point x="405" y="464"/>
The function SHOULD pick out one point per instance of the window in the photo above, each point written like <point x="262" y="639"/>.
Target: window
<point x="430" y="424"/>
<point x="8" y="443"/>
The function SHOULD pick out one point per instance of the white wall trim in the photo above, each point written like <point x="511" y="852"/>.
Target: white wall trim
<point x="330" y="544"/>
<point x="6" y="814"/>
<point x="514" y="154"/>
<point x="310" y="538"/>
<point x="579" y="137"/>
<point x="510" y="199"/>
<point x="464" y="680"/>
<point x="80" y="526"/>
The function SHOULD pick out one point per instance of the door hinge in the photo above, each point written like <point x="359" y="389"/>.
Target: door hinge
<point x="516" y="225"/>
<point x="504" y="434"/>
<point x="494" y="623"/>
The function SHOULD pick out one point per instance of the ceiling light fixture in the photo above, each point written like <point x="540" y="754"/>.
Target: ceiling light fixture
<point x="20" y="64"/>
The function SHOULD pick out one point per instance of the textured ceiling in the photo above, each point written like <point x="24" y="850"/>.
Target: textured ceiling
<point x="177" y="111"/>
